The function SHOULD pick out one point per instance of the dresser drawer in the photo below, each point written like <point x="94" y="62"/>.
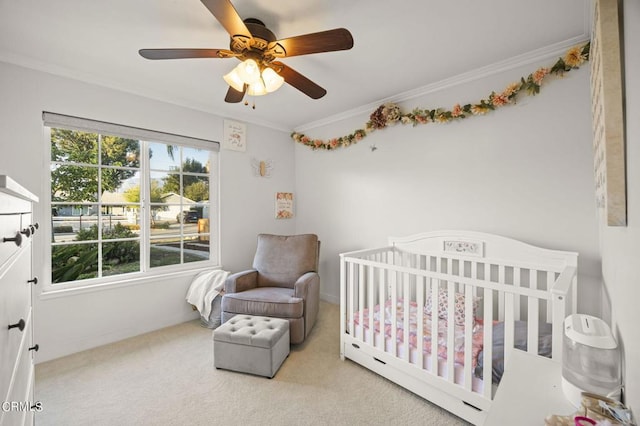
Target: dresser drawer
<point x="21" y="385"/>
<point x="15" y="305"/>
<point x="15" y="288"/>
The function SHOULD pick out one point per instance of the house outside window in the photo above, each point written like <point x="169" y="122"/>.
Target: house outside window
<point x="126" y="202"/>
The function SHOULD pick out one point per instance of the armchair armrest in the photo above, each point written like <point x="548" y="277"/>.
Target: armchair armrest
<point x="303" y="286"/>
<point x="307" y="287"/>
<point x="241" y="281"/>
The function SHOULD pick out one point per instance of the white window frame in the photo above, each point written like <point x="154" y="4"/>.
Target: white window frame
<point x="146" y="137"/>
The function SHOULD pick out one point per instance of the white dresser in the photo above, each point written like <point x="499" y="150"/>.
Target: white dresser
<point x="16" y="317"/>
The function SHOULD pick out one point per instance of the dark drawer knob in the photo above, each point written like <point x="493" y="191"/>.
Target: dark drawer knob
<point x="17" y="239"/>
<point x="35" y="348"/>
<point x="19" y="325"/>
<point x="33" y="280"/>
<point x="34" y="227"/>
<point x="27" y="231"/>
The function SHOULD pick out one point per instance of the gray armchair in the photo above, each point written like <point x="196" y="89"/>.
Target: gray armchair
<point x="284" y="283"/>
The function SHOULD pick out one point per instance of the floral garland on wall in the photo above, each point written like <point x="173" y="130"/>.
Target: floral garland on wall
<point x="389" y="114"/>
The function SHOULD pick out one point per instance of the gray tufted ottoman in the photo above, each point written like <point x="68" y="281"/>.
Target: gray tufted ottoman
<point x="251" y="344"/>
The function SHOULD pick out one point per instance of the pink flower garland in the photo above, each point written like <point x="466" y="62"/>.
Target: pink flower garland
<point x="389" y="114"/>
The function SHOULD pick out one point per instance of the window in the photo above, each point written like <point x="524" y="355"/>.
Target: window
<point x="128" y="201"/>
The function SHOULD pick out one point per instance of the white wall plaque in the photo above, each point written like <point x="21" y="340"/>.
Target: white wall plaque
<point x="235" y="136"/>
<point x="608" y="114"/>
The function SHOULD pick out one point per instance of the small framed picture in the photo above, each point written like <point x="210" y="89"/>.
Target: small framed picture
<point x="284" y="205"/>
<point x="235" y="136"/>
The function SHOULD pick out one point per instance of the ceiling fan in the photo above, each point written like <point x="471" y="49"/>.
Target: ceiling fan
<point x="256" y="46"/>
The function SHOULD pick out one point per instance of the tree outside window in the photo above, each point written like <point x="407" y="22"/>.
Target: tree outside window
<point x="100" y="186"/>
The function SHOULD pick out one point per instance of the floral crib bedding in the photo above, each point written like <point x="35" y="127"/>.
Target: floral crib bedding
<point x="459" y="336"/>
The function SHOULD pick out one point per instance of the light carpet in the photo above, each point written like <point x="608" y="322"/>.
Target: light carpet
<point x="167" y="377"/>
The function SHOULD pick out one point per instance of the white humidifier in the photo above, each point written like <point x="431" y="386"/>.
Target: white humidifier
<point x="590" y="359"/>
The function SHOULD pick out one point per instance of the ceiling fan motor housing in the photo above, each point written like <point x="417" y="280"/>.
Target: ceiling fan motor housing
<point x="253" y="48"/>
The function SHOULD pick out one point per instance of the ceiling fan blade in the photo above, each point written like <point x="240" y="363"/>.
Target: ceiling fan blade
<point x="233" y="96"/>
<point x="299" y="81"/>
<point x="324" y="41"/>
<point x="185" y="53"/>
<point x="224" y="12"/>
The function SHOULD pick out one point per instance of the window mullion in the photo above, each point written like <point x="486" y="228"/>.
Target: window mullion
<point x="182" y="204"/>
<point x="145" y="207"/>
<point x="99" y="201"/>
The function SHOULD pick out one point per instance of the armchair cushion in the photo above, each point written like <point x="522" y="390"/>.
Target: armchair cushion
<point x="282" y="259"/>
<point x="265" y="301"/>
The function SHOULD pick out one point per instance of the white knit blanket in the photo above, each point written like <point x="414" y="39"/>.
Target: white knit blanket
<point x="204" y="288"/>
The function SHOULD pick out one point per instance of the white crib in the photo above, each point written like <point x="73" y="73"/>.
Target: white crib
<point x="485" y="283"/>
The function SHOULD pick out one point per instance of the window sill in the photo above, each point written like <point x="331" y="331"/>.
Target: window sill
<point x="50" y="292"/>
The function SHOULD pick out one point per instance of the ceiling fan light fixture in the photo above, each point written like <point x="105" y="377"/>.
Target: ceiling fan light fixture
<point x="233" y="79"/>
<point x="249" y="71"/>
<point x="272" y="80"/>
<point x="257" y="88"/>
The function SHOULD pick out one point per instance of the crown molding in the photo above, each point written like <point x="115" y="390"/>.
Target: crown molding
<point x="535" y="56"/>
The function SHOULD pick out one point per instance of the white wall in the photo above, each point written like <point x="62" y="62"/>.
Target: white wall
<point x="621" y="245"/>
<point x="68" y="324"/>
<point x="523" y="171"/>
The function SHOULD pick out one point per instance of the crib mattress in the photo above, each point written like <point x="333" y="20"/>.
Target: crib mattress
<point x="361" y="333"/>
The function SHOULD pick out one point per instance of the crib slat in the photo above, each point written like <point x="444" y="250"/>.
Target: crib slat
<point x="406" y="341"/>
<point x="574" y="295"/>
<point x="420" y="323"/>
<point x="451" y="311"/>
<point x="370" y="293"/>
<point x="487" y="346"/>
<point x="551" y="278"/>
<point x="517" y="283"/>
<point x="559" y="313"/>
<point x="383" y="304"/>
<point x="533" y="319"/>
<point x="434" y="326"/>
<point x="361" y="302"/>
<point x="351" y="297"/>
<point x="509" y="323"/>
<point x="393" y="289"/>
<point x="501" y="294"/>
<point x="343" y="306"/>
<point x="532" y="326"/>
<point x="468" y="336"/>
